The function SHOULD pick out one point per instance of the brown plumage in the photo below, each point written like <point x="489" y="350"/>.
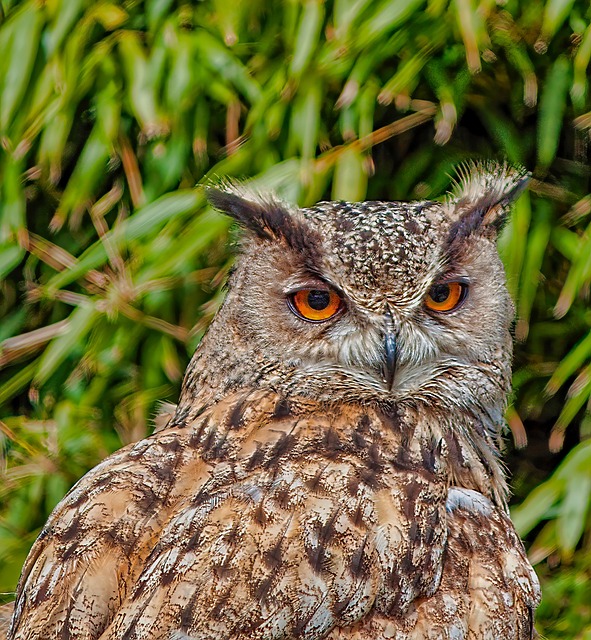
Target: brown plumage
<point x="321" y="477"/>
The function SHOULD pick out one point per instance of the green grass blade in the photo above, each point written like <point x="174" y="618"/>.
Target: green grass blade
<point x="552" y="107"/>
<point x="19" y="61"/>
<point x="308" y="36"/>
<point x="350" y="179"/>
<point x="81" y="322"/>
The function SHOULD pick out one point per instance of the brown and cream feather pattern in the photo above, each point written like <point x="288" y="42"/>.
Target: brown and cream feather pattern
<point x="282" y="521"/>
<point x="314" y="481"/>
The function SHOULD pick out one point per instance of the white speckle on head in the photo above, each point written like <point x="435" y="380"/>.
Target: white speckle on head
<point x="380" y="249"/>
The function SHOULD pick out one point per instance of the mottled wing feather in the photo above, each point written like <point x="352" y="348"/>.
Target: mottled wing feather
<point x="503" y="590"/>
<point x="5" y="616"/>
<point x="488" y="590"/>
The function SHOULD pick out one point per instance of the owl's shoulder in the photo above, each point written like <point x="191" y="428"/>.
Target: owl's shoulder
<point x="487" y="587"/>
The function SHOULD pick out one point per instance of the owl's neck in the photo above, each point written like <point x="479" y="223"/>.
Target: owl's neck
<point x="467" y="441"/>
<point x="462" y="444"/>
<point x="463" y="430"/>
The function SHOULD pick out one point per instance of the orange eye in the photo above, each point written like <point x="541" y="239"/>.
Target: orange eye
<point x="315" y="305"/>
<point x="446" y="296"/>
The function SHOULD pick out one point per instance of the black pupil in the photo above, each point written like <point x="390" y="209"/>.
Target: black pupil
<point x="318" y="300"/>
<point x="439" y="293"/>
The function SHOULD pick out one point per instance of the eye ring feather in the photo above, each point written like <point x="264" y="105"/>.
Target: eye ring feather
<point x="444" y="297"/>
<point x="315" y="305"/>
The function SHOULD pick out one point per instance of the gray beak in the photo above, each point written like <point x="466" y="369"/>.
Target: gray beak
<point x="389" y="362"/>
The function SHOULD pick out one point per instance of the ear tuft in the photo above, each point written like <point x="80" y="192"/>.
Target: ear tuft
<point x="265" y="216"/>
<point x="482" y="196"/>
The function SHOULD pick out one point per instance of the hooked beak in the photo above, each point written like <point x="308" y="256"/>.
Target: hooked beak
<point x="389" y="362"/>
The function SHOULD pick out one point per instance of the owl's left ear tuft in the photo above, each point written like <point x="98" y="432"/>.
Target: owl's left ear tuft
<point x="482" y="197"/>
<point x="264" y="215"/>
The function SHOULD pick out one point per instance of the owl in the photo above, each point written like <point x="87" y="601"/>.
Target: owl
<point x="332" y="469"/>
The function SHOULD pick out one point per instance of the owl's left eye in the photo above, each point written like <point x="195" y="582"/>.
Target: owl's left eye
<point x="315" y="305"/>
<point x="446" y="296"/>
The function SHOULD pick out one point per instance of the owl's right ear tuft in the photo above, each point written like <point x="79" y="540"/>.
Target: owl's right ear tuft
<point x="265" y="216"/>
<point x="482" y="197"/>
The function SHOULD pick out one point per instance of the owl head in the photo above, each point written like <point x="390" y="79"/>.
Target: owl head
<point x="373" y="302"/>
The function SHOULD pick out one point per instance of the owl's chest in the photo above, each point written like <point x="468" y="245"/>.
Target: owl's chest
<point x="359" y="529"/>
<point x="324" y="512"/>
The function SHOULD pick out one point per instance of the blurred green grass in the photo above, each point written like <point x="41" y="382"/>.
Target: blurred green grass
<point x="113" y="113"/>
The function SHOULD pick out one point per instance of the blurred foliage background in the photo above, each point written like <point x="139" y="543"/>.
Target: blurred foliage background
<point x="111" y="265"/>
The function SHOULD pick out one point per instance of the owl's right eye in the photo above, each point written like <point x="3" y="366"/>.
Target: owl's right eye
<point x="315" y="305"/>
<point x="446" y="296"/>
